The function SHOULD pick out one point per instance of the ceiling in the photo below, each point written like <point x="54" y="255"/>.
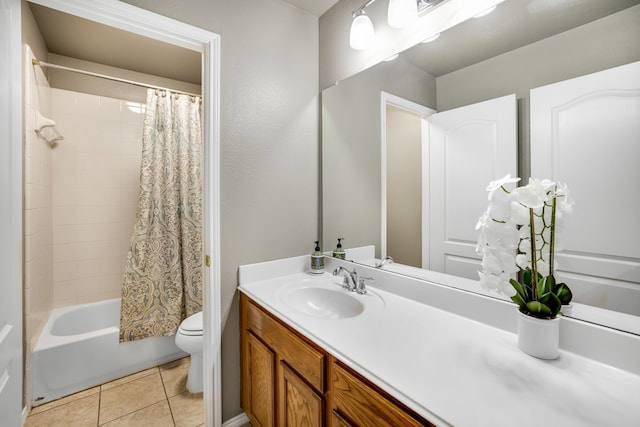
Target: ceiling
<point x="79" y="38"/>
<point x="314" y="7"/>
<point x="513" y="24"/>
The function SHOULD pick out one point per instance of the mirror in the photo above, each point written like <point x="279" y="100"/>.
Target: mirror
<point x="522" y="45"/>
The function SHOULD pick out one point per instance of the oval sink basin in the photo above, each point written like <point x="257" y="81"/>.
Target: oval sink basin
<point x="324" y="303"/>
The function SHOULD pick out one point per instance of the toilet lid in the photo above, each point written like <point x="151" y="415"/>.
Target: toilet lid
<point x="192" y="325"/>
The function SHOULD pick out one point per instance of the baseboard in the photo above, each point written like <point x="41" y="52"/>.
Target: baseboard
<point x="26" y="410"/>
<point x="237" y="421"/>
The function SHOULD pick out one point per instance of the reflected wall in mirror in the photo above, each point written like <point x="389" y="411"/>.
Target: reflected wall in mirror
<point x="521" y="46"/>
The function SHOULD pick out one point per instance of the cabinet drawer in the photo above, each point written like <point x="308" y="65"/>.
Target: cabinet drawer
<point x="301" y="356"/>
<point x="363" y="405"/>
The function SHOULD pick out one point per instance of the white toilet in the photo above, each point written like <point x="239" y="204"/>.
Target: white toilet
<point x="189" y="339"/>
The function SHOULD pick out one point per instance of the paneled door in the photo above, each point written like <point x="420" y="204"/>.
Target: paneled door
<point x="468" y="147"/>
<point x="586" y="132"/>
<point x="10" y="215"/>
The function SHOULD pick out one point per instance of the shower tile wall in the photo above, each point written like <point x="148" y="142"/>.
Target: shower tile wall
<point x="38" y="255"/>
<point x="95" y="187"/>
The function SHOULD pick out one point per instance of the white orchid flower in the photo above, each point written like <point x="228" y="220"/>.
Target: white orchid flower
<point x="504" y="230"/>
<point x="534" y="194"/>
<point x="519" y="213"/>
<point x="491" y="264"/>
<point x="522" y="261"/>
<point x="499" y="183"/>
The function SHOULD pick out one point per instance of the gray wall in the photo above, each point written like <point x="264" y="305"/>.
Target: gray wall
<point x="351" y="148"/>
<point x="338" y="61"/>
<point x="269" y="137"/>
<point x="597" y="46"/>
<point x="404" y="186"/>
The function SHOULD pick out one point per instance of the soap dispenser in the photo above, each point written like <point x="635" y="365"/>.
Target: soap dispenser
<point x="338" y="252"/>
<point x="317" y="260"/>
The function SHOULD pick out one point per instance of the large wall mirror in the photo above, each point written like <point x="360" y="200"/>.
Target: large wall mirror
<point x="376" y="184"/>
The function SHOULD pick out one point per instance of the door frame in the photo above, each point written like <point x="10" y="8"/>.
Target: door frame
<point x="146" y="23"/>
<point x="11" y="258"/>
<point x="424" y="112"/>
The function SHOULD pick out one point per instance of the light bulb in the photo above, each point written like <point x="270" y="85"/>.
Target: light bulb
<point x="362" y="33"/>
<point x="401" y="13"/>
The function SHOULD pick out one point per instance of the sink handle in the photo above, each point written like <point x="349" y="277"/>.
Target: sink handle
<point x="362" y="288"/>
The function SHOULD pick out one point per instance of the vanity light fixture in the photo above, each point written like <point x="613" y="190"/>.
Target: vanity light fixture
<point x="402" y="13"/>
<point x="362" y="34"/>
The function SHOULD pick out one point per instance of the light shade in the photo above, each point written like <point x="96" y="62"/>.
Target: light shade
<point x="362" y="34"/>
<point x="401" y="13"/>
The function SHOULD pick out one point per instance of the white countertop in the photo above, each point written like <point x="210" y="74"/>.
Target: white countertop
<point x="457" y="371"/>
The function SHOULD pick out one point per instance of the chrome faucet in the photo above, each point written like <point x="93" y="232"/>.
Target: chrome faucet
<point x="350" y="281"/>
<point x="386" y="260"/>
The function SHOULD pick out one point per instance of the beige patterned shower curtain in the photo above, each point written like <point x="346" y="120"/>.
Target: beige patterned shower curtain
<point x="163" y="274"/>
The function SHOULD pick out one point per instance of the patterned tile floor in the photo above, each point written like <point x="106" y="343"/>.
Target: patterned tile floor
<point x="156" y="397"/>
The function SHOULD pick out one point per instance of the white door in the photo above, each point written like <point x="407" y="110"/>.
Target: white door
<point x="469" y="147"/>
<point x="10" y="216"/>
<point x="586" y="132"/>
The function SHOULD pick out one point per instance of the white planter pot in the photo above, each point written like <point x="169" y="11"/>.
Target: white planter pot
<point x="539" y="337"/>
<point x="567" y="309"/>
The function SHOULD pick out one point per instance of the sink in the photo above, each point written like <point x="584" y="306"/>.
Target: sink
<point x="324" y="303"/>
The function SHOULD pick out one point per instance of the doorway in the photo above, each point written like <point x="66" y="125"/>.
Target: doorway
<point x="141" y="22"/>
<point x="404" y="171"/>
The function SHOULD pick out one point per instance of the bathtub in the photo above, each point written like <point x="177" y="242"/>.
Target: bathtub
<point x="79" y="348"/>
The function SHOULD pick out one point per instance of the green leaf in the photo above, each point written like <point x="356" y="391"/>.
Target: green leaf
<point x="541" y="286"/>
<point x="519" y="301"/>
<point x="526" y="277"/>
<point x="520" y="290"/>
<point x="552" y="302"/>
<point x="564" y="293"/>
<point x="537" y="309"/>
<point x="551" y="284"/>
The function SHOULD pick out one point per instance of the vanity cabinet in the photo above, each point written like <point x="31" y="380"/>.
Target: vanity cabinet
<point x="283" y="374"/>
<point x="356" y="402"/>
<point x="287" y="380"/>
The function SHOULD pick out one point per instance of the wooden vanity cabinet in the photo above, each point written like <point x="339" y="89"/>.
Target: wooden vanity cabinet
<point x="288" y="381"/>
<point x="357" y="402"/>
<point x="283" y="374"/>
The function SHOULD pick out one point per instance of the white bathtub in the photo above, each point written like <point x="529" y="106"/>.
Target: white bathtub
<point x="79" y="348"/>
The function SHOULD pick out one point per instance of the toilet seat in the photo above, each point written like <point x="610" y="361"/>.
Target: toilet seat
<point x="192" y="325"/>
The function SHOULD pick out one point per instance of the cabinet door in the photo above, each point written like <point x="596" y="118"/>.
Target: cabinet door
<point x="338" y="421"/>
<point x="299" y="404"/>
<point x="363" y="406"/>
<point x="259" y="382"/>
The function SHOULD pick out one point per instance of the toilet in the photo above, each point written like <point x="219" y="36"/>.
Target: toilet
<point x="189" y="339"/>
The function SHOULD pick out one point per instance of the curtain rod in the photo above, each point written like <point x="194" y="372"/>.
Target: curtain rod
<point x="104" y="76"/>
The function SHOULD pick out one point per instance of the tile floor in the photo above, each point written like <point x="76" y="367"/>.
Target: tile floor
<point x="156" y="397"/>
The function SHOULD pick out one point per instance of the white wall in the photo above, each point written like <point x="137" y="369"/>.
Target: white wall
<point x="269" y="138"/>
<point x="96" y="178"/>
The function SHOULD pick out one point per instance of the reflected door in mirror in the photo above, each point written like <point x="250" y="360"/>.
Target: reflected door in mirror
<point x="468" y="147"/>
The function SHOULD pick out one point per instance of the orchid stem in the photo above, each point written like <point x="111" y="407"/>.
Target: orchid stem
<point x="553" y="231"/>
<point x="534" y="265"/>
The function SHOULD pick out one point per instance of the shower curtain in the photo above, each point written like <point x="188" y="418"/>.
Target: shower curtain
<point x="164" y="268"/>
